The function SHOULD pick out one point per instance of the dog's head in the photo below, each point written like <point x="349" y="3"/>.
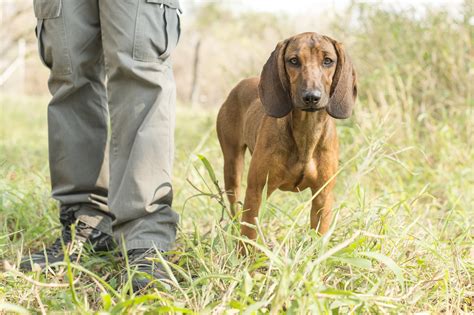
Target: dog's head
<point x="308" y="72"/>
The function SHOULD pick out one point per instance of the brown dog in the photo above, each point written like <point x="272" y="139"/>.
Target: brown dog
<point x="284" y="119"/>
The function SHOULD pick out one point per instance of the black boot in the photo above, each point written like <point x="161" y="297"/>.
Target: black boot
<point x="145" y="269"/>
<point x="84" y="235"/>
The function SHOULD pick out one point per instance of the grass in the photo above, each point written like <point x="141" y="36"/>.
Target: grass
<point x="402" y="238"/>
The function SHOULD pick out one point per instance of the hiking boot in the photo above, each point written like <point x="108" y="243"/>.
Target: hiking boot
<point x="145" y="269"/>
<point x="84" y="236"/>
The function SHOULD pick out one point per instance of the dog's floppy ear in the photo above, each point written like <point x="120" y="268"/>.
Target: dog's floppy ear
<point x="344" y="85"/>
<point x="273" y="88"/>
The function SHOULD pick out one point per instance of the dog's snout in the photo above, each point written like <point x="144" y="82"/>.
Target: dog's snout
<point x="311" y="97"/>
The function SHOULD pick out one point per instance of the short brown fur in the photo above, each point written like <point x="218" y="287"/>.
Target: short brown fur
<point x="294" y="144"/>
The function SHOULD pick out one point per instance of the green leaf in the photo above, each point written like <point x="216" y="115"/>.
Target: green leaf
<point x="208" y="167"/>
<point x="389" y="263"/>
<point x="248" y="283"/>
<point x="331" y="291"/>
<point x="236" y="305"/>
<point x="106" y="301"/>
<point x="355" y="261"/>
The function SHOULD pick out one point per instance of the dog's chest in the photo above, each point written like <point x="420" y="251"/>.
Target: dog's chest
<point x="300" y="175"/>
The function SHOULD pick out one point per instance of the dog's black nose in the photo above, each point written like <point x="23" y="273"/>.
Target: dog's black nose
<point x="312" y="97"/>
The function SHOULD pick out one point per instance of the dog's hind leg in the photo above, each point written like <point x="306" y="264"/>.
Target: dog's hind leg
<point x="230" y="131"/>
<point x="229" y="126"/>
<point x="233" y="168"/>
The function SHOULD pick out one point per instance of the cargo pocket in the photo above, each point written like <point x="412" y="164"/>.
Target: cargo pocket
<point x="51" y="33"/>
<point x="157" y="30"/>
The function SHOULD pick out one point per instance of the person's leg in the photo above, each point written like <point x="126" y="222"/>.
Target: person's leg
<point x="70" y="45"/>
<point x="138" y="37"/>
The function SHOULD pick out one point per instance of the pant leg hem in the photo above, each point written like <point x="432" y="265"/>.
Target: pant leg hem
<point x="95" y="219"/>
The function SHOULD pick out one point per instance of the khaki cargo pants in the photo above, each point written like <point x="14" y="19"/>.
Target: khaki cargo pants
<point x="109" y="60"/>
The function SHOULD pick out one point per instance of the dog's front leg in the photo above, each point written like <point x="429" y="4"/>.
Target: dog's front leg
<point x="321" y="210"/>
<point x="259" y="175"/>
<point x="253" y="198"/>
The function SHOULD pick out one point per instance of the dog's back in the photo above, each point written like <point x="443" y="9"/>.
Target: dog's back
<point x="240" y="116"/>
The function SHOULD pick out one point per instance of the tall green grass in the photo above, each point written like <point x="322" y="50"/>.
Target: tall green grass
<point x="402" y="237"/>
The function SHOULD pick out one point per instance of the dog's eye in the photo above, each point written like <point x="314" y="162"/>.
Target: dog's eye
<point x="294" y="61"/>
<point x="328" y="62"/>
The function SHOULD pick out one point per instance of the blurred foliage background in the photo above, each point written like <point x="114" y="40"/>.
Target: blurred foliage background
<point x="222" y="42"/>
